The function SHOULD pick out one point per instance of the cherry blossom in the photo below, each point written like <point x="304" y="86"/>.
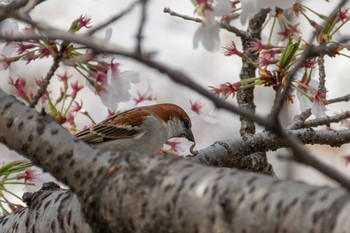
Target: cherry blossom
<point x="208" y="32"/>
<point x="146" y="97"/>
<point x="252" y="7"/>
<point x="116" y="89"/>
<point x="313" y="98"/>
<point x="200" y="109"/>
<point x="9" y="27"/>
<point x="27" y="175"/>
<point x="224" y="90"/>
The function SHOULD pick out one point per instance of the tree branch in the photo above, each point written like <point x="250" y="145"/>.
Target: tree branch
<point x="142" y="23"/>
<point x="234" y="153"/>
<point x="112" y="19"/>
<point x="46" y="82"/>
<point x="225" y="26"/>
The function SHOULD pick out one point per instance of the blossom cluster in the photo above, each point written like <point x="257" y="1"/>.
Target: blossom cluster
<point x="275" y="59"/>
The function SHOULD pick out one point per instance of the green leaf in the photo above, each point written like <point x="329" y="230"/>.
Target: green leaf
<point x="288" y="53"/>
<point x="52" y="107"/>
<point x="15" y="166"/>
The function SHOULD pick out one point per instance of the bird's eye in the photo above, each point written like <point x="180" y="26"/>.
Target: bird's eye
<point x="186" y="123"/>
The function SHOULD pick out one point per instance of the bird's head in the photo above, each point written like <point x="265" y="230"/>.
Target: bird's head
<point x="176" y="119"/>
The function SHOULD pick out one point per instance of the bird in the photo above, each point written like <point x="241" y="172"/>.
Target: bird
<point x="143" y="129"/>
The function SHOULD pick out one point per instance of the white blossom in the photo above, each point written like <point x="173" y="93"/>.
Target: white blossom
<point x="318" y="109"/>
<point x="117" y="88"/>
<point x="208" y="32"/>
<point x="252" y="7"/>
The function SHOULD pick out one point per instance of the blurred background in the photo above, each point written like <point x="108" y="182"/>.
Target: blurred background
<point x="170" y="39"/>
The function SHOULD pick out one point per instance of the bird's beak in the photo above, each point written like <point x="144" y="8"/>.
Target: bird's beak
<point x="189" y="135"/>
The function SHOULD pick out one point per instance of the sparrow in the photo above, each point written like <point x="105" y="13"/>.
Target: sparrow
<point x="142" y="129"/>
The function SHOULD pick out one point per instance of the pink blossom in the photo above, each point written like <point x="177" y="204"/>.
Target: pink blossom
<point x="76" y="88"/>
<point x="226" y="89"/>
<point x="64" y="78"/>
<point x="19" y="86"/>
<point x="9" y="27"/>
<point x="289" y="30"/>
<point x="200" y="109"/>
<point x="319" y="109"/>
<point x="232" y="50"/>
<point x="110" y="113"/>
<point x="145" y="98"/>
<point x="343" y="14"/>
<point x="310" y="63"/>
<point x="257" y="45"/>
<point x="29" y="57"/>
<point x="21" y="47"/>
<point x="312" y="98"/>
<point x="39" y="81"/>
<point x="45" y="51"/>
<point x="267" y="57"/>
<point x="27" y="175"/>
<point x="77" y="106"/>
<point x="83" y="22"/>
<point x="71" y="118"/>
<point x="6" y="62"/>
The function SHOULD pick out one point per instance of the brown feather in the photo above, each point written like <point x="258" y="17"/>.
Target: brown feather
<point x="125" y="124"/>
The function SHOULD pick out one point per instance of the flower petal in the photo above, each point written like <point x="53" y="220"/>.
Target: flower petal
<point x="252" y="7"/>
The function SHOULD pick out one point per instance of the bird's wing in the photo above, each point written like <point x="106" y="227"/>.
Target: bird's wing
<point x="122" y="125"/>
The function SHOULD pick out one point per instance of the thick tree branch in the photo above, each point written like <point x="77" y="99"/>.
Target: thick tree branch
<point x="194" y="199"/>
<point x="31" y="134"/>
<point x="234" y="153"/>
<point x="245" y="98"/>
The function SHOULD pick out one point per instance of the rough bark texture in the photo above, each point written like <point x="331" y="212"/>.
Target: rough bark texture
<point x="49" y="210"/>
<point x="245" y="98"/>
<point x="237" y="152"/>
<point x="173" y="195"/>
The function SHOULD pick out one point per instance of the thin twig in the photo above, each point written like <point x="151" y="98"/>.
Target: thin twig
<point x="112" y="19"/>
<point x="225" y="26"/>
<point x="142" y="23"/>
<point x="304" y="115"/>
<point x="299" y="119"/>
<point x="307" y="158"/>
<point x="322" y="121"/>
<point x="45" y="84"/>
<point x="345" y="98"/>
<point x="56" y="64"/>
